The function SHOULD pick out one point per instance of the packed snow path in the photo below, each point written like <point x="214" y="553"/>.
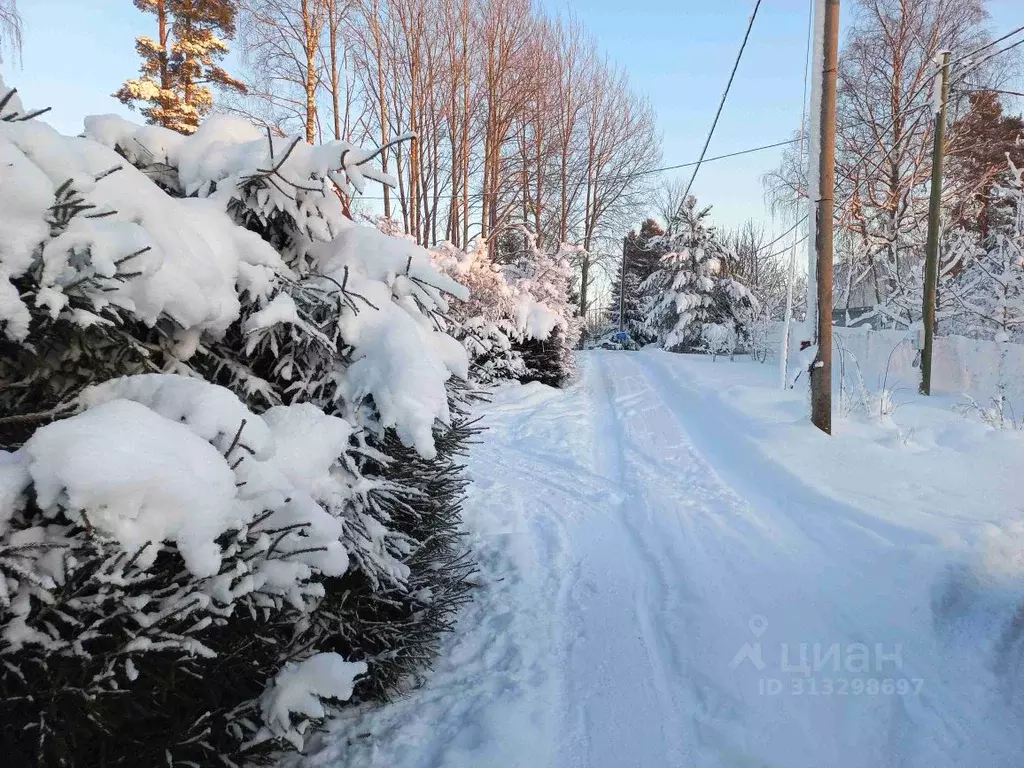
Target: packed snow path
<point x="657" y="591"/>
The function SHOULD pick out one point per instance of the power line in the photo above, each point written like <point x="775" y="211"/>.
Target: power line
<point x="864" y="156"/>
<point x="647" y="172"/>
<point x="614" y="177"/>
<point x="725" y="94"/>
<point x="986" y="45"/>
<point x="677" y="166"/>
<point x="777" y="239"/>
<point x="692" y="163"/>
<point x="922" y="106"/>
<point x="972" y="88"/>
<point x="697" y="162"/>
<point x="917" y="93"/>
<point x="975" y="65"/>
<point x="787" y="248"/>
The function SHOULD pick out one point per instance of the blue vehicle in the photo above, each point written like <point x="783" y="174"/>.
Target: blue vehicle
<point x="616" y="340"/>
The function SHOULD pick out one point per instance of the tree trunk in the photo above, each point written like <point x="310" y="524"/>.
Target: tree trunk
<point x="310" y="46"/>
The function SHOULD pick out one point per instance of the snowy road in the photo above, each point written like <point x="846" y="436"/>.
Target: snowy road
<point x="658" y="591"/>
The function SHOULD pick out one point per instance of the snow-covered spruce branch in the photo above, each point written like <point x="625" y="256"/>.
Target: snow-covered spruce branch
<point x="301" y="497"/>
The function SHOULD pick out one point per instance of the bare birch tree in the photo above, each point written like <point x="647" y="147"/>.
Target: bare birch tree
<point x="281" y="43"/>
<point x="518" y="120"/>
<point x="10" y="28"/>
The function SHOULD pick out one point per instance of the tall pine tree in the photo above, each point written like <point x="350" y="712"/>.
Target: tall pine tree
<point x="180" y="65"/>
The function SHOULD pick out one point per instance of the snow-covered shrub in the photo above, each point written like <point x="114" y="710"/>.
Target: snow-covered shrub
<point x="761" y="342"/>
<point x="854" y="393"/>
<point x="718" y="339"/>
<point x="517" y="322"/>
<point x="486" y="321"/>
<point x="492" y="348"/>
<point x="301" y="688"/>
<point x="165" y="537"/>
<point x="400" y="621"/>
<point x="229" y="418"/>
<point x="693" y="288"/>
<point x="545" y="318"/>
<point x="999" y="413"/>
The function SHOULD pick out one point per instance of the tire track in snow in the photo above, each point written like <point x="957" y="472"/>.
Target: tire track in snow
<point x="641" y="519"/>
<point x="807" y="523"/>
<point x="619" y="677"/>
<point x="497" y="688"/>
<point x="725" y="544"/>
<point x="665" y="476"/>
<point x="722" y="443"/>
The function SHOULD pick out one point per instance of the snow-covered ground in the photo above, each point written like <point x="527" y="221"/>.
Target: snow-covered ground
<point x="677" y="570"/>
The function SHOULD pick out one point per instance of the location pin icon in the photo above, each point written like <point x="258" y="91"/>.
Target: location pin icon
<point x="758" y="624"/>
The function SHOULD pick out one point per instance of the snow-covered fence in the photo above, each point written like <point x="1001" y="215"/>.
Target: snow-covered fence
<point x="960" y="365"/>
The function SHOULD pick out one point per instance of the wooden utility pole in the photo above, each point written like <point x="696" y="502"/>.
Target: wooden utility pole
<point x="821" y="368"/>
<point x="622" y="288"/>
<point x="931" y="259"/>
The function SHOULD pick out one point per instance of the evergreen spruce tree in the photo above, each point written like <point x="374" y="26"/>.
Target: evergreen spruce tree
<point x="986" y="138"/>
<point x="180" y="65"/>
<point x="642" y="252"/>
<point x="234" y="354"/>
<point x="693" y="289"/>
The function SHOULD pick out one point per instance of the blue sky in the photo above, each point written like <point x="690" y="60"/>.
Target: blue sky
<point x="678" y="52"/>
